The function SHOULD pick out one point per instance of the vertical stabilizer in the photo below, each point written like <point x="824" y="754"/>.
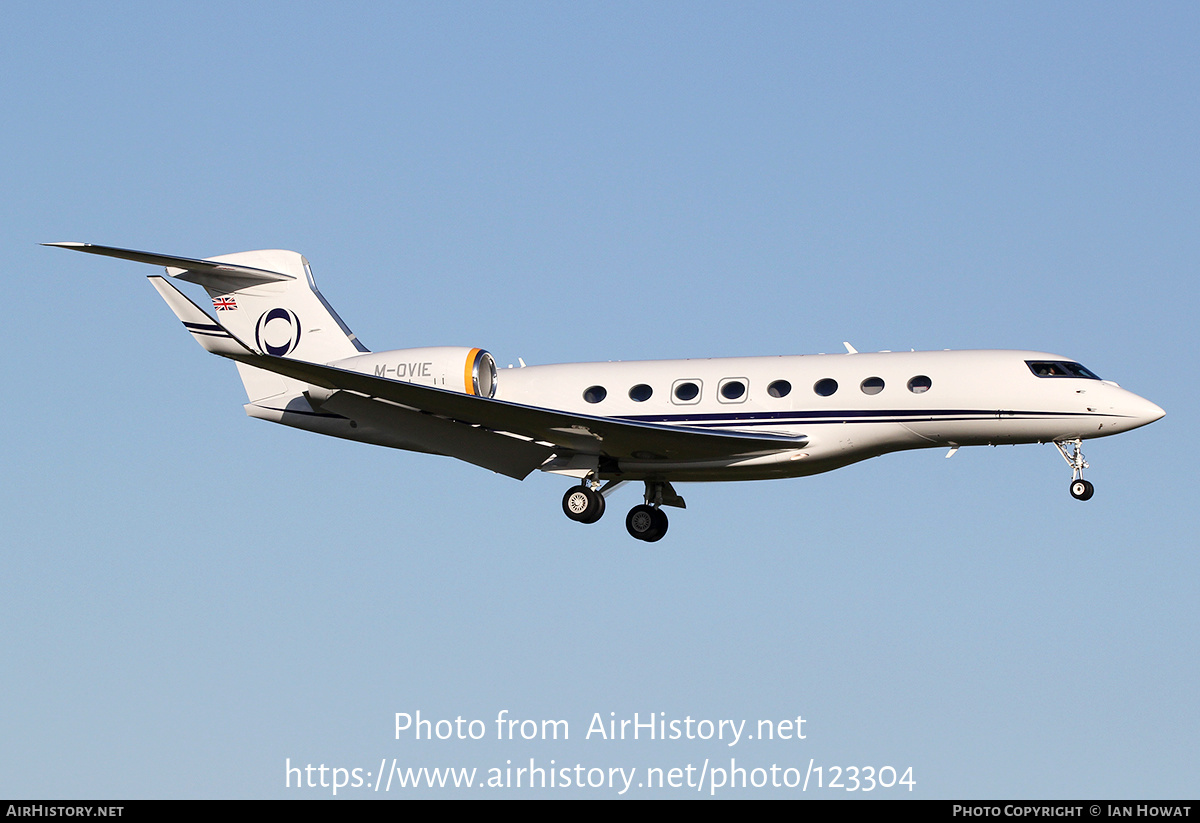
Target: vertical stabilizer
<point x="286" y="317"/>
<point x="266" y="301"/>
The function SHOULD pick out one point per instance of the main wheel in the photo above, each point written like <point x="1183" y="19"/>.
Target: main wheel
<point x="646" y="523"/>
<point x="1082" y="490"/>
<point x="583" y="505"/>
<point x="660" y="523"/>
<point x="598" y="509"/>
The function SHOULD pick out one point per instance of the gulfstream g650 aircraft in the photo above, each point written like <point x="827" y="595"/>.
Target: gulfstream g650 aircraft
<point x="657" y="421"/>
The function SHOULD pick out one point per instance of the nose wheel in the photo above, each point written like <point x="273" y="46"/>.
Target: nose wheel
<point x="1082" y="489"/>
<point x="1072" y="452"/>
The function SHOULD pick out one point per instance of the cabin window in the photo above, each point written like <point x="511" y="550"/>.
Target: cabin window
<point x="825" y="387"/>
<point x="1059" y="368"/>
<point x="872" y="385"/>
<point x="686" y="391"/>
<point x="594" y="394"/>
<point x="732" y="390"/>
<point x="640" y="393"/>
<point x="919" y="384"/>
<point x="780" y="388"/>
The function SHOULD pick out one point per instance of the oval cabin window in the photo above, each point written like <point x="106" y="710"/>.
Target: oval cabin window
<point x="687" y="391"/>
<point x="826" y="387"/>
<point x="919" y="384"/>
<point x="733" y="390"/>
<point x="640" y="393"/>
<point x="872" y="385"/>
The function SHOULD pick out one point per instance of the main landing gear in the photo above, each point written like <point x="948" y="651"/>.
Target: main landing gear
<point x="648" y="522"/>
<point x="1072" y="452"/>
<point x="583" y="504"/>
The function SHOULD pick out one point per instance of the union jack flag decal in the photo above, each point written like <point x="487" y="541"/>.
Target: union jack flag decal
<point x="224" y="303"/>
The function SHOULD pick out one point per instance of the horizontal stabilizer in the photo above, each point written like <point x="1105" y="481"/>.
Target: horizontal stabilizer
<point x="225" y="277"/>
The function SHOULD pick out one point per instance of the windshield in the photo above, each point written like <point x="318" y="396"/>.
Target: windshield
<point x="1059" y="368"/>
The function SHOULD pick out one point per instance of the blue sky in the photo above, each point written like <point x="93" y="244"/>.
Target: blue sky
<point x="189" y="598"/>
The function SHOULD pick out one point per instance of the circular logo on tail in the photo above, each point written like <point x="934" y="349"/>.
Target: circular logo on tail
<point x="278" y="332"/>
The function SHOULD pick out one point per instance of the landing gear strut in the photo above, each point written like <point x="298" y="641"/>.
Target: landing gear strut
<point x="1072" y="452"/>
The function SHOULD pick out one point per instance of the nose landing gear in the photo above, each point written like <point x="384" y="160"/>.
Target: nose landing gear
<point x="1072" y="452"/>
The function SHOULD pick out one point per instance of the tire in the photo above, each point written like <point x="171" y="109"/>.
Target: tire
<point x="1082" y="489"/>
<point x="660" y="525"/>
<point x="646" y="523"/>
<point x="583" y="505"/>
<point x="598" y="508"/>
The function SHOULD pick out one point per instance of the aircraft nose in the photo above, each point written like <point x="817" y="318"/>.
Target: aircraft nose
<point x="1152" y="412"/>
<point x="1142" y="411"/>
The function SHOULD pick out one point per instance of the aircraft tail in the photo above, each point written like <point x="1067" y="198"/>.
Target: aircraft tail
<point x="284" y="317"/>
<point x="266" y="299"/>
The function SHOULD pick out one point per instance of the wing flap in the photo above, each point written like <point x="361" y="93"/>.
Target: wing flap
<point x="509" y="456"/>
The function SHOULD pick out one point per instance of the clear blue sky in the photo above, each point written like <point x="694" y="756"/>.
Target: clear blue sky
<point x="189" y="598"/>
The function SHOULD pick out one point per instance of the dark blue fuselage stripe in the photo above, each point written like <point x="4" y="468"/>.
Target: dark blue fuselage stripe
<point x="735" y="420"/>
<point x="840" y="413"/>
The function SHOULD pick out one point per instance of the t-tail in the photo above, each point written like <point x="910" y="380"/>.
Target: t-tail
<point x="265" y="300"/>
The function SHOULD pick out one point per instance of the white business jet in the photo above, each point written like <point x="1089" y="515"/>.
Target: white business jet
<point x="605" y="424"/>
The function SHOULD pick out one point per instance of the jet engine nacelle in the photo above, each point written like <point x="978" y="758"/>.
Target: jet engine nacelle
<point x="454" y="368"/>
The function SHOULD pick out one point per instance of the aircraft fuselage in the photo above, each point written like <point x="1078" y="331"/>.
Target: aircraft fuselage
<point x="849" y="406"/>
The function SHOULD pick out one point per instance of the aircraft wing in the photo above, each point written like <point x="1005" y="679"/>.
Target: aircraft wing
<point x="567" y="432"/>
<point x="579" y="433"/>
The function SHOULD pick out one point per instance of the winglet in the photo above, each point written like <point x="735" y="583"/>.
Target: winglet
<point x="210" y="334"/>
<point x="849" y="349"/>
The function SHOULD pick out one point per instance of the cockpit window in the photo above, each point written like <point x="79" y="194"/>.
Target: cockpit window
<point x="1059" y="368"/>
